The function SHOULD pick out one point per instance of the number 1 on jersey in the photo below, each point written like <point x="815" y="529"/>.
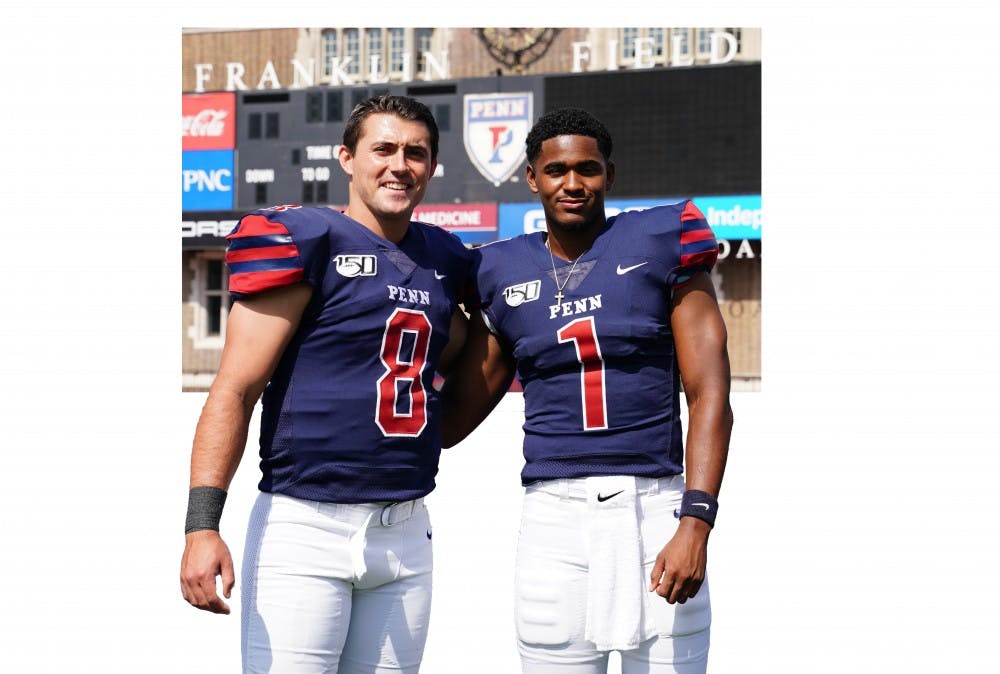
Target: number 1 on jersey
<point x="583" y="334"/>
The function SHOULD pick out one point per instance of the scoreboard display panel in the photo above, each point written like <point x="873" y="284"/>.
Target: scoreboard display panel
<point x="287" y="142"/>
<point x="677" y="131"/>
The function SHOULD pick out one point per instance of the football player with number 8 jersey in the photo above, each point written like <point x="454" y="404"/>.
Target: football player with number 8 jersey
<point x="601" y="319"/>
<point x="340" y="322"/>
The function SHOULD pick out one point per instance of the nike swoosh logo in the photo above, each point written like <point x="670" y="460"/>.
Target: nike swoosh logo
<point x="703" y="505"/>
<point x="625" y="270"/>
<point x="439" y="276"/>
<point x="602" y="499"/>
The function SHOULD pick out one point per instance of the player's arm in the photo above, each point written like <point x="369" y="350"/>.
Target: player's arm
<point x="456" y="338"/>
<point x="479" y="379"/>
<point x="257" y="332"/>
<point x="703" y="359"/>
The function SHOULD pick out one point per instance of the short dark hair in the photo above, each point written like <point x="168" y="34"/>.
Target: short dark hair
<point x="401" y="106"/>
<point x="567" y="122"/>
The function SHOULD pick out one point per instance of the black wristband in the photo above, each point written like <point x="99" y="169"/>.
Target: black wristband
<point x="204" y="508"/>
<point x="700" y="504"/>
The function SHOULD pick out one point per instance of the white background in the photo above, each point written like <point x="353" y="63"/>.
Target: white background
<point x="858" y="530"/>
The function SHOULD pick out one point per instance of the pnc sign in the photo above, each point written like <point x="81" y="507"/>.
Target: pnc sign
<point x="207" y="180"/>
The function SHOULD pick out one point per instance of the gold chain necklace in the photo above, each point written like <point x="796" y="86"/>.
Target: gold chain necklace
<point x="555" y="275"/>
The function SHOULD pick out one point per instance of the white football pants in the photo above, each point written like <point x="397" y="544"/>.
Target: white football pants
<point x="331" y="587"/>
<point x="552" y="586"/>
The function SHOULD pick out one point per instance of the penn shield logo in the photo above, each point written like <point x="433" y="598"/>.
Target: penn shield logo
<point x="517" y="295"/>
<point x="494" y="130"/>
<point x="353" y="266"/>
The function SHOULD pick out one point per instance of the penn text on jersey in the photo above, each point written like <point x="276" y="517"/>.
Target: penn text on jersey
<point x="581" y="306"/>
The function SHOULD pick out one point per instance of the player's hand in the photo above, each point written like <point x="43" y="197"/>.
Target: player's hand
<point x="680" y="567"/>
<point x="206" y="556"/>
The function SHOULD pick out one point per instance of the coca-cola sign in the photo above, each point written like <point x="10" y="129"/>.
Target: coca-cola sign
<point x="208" y="121"/>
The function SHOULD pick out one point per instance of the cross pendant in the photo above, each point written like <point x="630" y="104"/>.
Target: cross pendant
<point x="559" y="297"/>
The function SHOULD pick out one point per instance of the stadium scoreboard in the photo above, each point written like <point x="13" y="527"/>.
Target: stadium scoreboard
<point x="676" y="131"/>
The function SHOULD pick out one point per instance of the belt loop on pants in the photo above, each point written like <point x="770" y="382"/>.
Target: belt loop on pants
<point x="394" y="513"/>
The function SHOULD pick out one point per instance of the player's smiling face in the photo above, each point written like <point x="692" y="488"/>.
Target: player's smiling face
<point x="390" y="168"/>
<point x="570" y="176"/>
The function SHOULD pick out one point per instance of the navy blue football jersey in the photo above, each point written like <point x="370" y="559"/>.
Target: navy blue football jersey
<point x="350" y="414"/>
<point x="598" y="368"/>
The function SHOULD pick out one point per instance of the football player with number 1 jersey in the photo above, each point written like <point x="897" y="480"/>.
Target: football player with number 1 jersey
<point x="601" y="319"/>
<point x="340" y="322"/>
